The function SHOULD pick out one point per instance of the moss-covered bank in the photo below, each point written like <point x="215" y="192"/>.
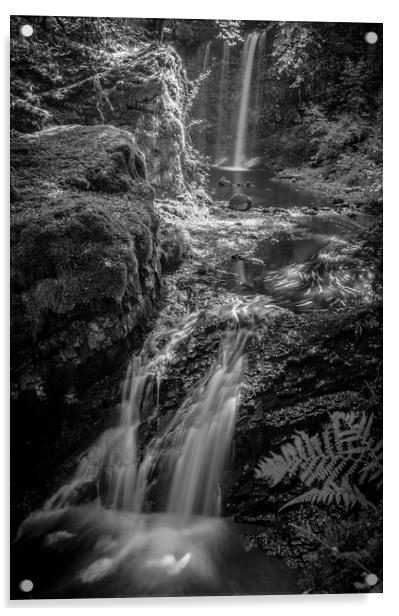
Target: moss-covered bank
<point x="85" y="273"/>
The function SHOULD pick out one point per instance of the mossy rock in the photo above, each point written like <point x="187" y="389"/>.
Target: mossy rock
<point x="146" y="92"/>
<point x="175" y="246"/>
<point x="240" y="203"/>
<point x="85" y="265"/>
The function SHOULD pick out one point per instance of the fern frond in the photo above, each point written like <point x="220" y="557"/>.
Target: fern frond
<point x="346" y="495"/>
<point x="330" y="463"/>
<point x="273" y="469"/>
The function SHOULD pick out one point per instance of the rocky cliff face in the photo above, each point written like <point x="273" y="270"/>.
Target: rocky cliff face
<point x="146" y="92"/>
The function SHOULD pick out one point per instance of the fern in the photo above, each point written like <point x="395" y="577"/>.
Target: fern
<point x="332" y="465"/>
<point x="343" y="495"/>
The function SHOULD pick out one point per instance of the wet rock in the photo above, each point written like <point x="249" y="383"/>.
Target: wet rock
<point x="240" y="203"/>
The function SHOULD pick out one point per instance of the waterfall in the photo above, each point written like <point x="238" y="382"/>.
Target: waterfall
<point x="206" y="57"/>
<point x="220" y="112"/>
<point x="204" y="442"/>
<point x="112" y="463"/>
<point x="102" y="542"/>
<point x="247" y="66"/>
<point x="194" y="445"/>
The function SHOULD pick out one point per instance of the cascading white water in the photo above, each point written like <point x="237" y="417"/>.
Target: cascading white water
<point x="204" y="431"/>
<point x="220" y="113"/>
<point x="247" y="67"/>
<point x="197" y="440"/>
<point x="74" y="549"/>
<point x="206" y="57"/>
<point x="112" y="463"/>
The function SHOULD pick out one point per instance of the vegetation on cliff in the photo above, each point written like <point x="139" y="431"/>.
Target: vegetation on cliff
<point x="96" y="77"/>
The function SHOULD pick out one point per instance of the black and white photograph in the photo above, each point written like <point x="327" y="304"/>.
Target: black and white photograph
<point x="196" y="243"/>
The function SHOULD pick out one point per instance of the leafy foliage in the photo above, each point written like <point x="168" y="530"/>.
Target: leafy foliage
<point x="328" y="63"/>
<point x="345" y="553"/>
<point x="193" y="32"/>
<point x="332" y="465"/>
<point x="324" y="99"/>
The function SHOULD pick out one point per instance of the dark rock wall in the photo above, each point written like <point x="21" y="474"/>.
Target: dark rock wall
<point x="85" y="271"/>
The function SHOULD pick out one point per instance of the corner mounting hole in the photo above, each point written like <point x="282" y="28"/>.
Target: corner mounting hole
<point x="371" y="37"/>
<point x="26" y="30"/>
<point x="26" y="585"/>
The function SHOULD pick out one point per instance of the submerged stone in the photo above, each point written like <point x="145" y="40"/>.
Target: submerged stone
<point x="240" y="203"/>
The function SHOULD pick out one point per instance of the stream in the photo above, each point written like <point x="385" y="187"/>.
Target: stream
<point x="102" y="534"/>
<point x="261" y="187"/>
<point x="315" y="267"/>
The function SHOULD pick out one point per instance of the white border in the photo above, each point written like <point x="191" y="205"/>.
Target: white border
<point x="290" y="10"/>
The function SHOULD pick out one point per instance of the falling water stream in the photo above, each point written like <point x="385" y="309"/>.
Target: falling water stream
<point x="206" y="56"/>
<point x="98" y="535"/>
<point x="247" y="66"/>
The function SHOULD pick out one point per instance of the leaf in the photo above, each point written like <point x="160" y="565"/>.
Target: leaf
<point x="329" y="464"/>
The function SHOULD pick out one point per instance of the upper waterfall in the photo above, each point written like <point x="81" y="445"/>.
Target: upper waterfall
<point x="247" y="66"/>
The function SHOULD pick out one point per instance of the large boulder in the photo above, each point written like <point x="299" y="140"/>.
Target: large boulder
<point x="240" y="203"/>
<point x="85" y="272"/>
<point x="145" y="92"/>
